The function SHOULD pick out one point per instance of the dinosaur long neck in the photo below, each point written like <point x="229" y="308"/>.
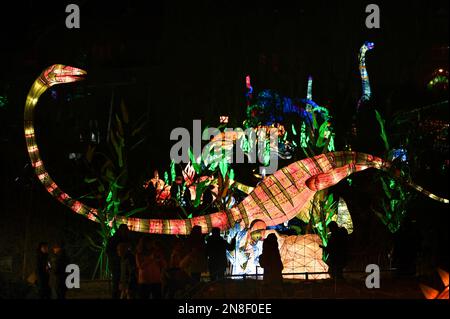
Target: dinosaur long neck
<point x="309" y="91"/>
<point x="37" y="89"/>
<point x="366" y="91"/>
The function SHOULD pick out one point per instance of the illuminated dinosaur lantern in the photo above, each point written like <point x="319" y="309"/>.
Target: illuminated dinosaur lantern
<point x="366" y="92"/>
<point x="277" y="199"/>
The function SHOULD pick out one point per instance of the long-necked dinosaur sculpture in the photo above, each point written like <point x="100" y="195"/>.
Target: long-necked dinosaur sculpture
<point x="366" y="91"/>
<point x="277" y="199"/>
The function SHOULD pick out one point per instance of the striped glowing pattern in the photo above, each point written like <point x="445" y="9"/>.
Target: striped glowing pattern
<point x="277" y="199"/>
<point x="281" y="196"/>
<point x="328" y="179"/>
<point x="243" y="188"/>
<point x="427" y="193"/>
<point x="55" y="74"/>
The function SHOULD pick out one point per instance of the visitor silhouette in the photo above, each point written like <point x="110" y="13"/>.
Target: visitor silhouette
<point x="216" y="251"/>
<point x="175" y="279"/>
<point x="151" y="263"/>
<point x="151" y="195"/>
<point x="337" y="250"/>
<point x="121" y="236"/>
<point x="58" y="262"/>
<point x="195" y="260"/>
<point x="127" y="282"/>
<point x="270" y="260"/>
<point x="42" y="271"/>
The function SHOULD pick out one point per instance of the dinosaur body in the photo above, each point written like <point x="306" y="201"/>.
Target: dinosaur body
<point x="277" y="199"/>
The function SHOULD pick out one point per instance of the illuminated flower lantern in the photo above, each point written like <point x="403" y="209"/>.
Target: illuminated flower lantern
<point x="431" y="293"/>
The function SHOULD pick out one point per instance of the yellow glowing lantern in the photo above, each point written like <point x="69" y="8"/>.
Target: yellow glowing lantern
<point x="223" y="119"/>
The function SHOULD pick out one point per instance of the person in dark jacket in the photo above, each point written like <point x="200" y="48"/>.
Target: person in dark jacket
<point x="216" y="251"/>
<point x="175" y="279"/>
<point x="151" y="195"/>
<point x="337" y="250"/>
<point x="121" y="236"/>
<point x="58" y="264"/>
<point x="195" y="261"/>
<point x="270" y="260"/>
<point x="151" y="265"/>
<point x="42" y="271"/>
<point x="127" y="280"/>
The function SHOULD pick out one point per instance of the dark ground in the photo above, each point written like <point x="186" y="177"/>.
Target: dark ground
<point x="351" y="288"/>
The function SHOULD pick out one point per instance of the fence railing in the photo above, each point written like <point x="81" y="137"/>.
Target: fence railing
<point x="305" y="274"/>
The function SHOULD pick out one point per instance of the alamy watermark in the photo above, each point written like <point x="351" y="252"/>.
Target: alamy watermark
<point x="73" y="19"/>
<point x="373" y="19"/>
<point x="373" y="279"/>
<point x="73" y="277"/>
<point x="263" y="141"/>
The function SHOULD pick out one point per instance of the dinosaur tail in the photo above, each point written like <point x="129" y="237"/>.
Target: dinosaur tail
<point x="37" y="89"/>
<point x="427" y="193"/>
<point x="222" y="220"/>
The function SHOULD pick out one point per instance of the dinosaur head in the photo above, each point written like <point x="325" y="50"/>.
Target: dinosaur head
<point x="366" y="47"/>
<point x="369" y="45"/>
<point x="60" y="74"/>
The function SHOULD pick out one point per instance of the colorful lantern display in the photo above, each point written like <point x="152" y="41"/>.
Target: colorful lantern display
<point x="431" y="293"/>
<point x="366" y="91"/>
<point x="277" y="199"/>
